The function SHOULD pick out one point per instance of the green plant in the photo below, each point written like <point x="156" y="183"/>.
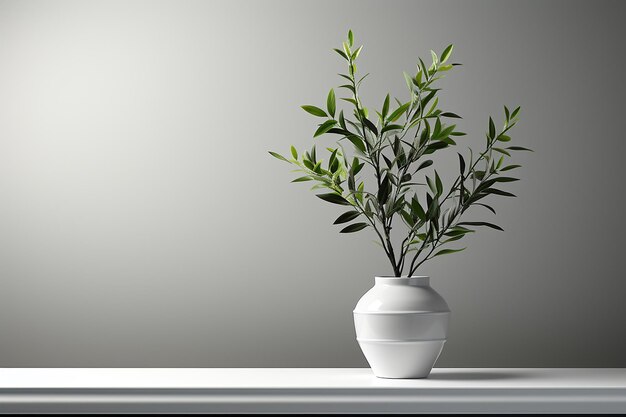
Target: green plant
<point x="395" y="150"/>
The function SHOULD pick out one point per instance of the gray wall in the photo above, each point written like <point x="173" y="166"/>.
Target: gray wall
<point x="143" y="223"/>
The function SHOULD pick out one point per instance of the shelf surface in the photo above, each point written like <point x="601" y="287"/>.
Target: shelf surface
<point x="312" y="390"/>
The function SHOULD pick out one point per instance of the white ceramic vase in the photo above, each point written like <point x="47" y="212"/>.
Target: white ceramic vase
<point x="401" y="325"/>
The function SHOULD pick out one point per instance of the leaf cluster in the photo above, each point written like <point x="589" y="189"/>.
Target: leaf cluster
<point x="396" y="144"/>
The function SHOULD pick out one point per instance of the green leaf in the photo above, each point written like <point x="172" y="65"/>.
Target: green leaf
<point x="371" y="126"/>
<point x="278" y="156"/>
<point x="446" y="132"/>
<point x="431" y="185"/>
<point x="446" y="53"/>
<point x="350" y="38"/>
<point x="505" y="179"/>
<point x="384" y="191"/>
<point x="437" y="128"/>
<point x="452" y="239"/>
<point x="388" y="161"/>
<point x="447" y="251"/>
<point x="424" y="164"/>
<point x="515" y="113"/>
<point x="510" y="167"/>
<point x="423" y="68"/>
<point x="334" y="198"/>
<point x="359" y="189"/>
<point x="451" y="115"/>
<point x="409" y="81"/>
<point x="438" y="183"/>
<point x="434" y="56"/>
<point x="458" y="232"/>
<point x="504" y="138"/>
<point x="492" y="129"/>
<point x="342" y="53"/>
<point x="398" y="112"/>
<point x="417" y="209"/>
<point x="324" y="127"/>
<point x="478" y="174"/>
<point x="340" y="131"/>
<point x="346" y="48"/>
<point x="425" y="135"/>
<point x="347" y="216"/>
<point x="502" y="151"/>
<point x="386" y="106"/>
<point x="303" y="179"/>
<point x="342" y="120"/>
<point x="345" y="76"/>
<point x="417" y="80"/>
<point x="356" y="53"/>
<point x="491" y="209"/>
<point x="499" y="164"/>
<point x="391" y="127"/>
<point x="407" y="218"/>
<point x="427" y="99"/>
<point x="484" y="185"/>
<point x="435" y="147"/>
<point x="351" y="183"/>
<point x="333" y="162"/>
<point x="461" y="164"/>
<point x="357" y="142"/>
<point x="499" y="192"/>
<point x="433" y="107"/>
<point x="294" y="152"/>
<point x="493" y="226"/>
<point x="330" y="102"/>
<point x="315" y="111"/>
<point x="353" y="228"/>
<point x="519" y="148"/>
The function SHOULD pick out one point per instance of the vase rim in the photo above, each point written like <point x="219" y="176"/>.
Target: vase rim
<point x="402" y="277"/>
<point x="404" y="280"/>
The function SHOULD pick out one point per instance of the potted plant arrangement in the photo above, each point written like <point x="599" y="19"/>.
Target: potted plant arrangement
<point x="382" y="172"/>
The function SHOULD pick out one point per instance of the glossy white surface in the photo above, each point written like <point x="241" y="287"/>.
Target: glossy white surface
<point x="401" y="325"/>
<point x="295" y="378"/>
<point x="401" y="295"/>
<point x="312" y="390"/>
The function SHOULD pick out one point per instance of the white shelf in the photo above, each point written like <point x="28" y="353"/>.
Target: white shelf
<point x="312" y="390"/>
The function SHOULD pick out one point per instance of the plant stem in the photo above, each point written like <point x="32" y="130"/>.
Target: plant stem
<point x="386" y="240"/>
<point x="462" y="208"/>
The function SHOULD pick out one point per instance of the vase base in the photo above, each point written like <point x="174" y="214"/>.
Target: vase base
<point x="400" y="359"/>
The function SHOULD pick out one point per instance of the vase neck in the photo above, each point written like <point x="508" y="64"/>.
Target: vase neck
<point x="417" y="281"/>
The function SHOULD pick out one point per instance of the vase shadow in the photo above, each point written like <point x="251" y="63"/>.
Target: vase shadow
<point x="473" y="375"/>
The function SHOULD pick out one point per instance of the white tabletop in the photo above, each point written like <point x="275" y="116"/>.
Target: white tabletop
<point x="277" y="390"/>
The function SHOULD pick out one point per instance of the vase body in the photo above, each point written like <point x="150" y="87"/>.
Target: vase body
<point x="401" y="326"/>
